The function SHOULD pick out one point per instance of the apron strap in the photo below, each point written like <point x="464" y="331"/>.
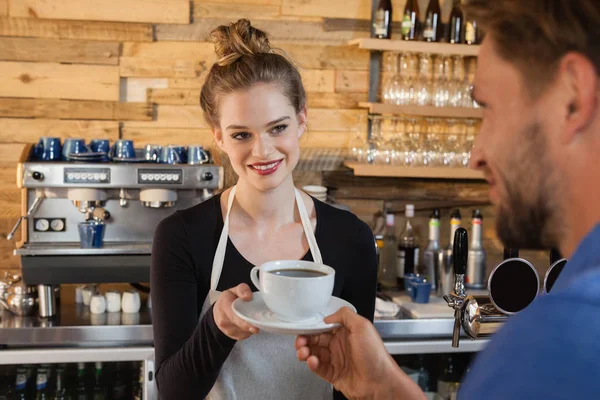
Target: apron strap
<point x="217" y="266"/>
<point x="308" y="231"/>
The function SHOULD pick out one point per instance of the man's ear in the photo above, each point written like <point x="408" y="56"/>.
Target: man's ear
<point x="579" y="75"/>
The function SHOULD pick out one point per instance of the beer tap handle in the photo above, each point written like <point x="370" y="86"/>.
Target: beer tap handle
<point x="456" y="299"/>
<point x="511" y="253"/>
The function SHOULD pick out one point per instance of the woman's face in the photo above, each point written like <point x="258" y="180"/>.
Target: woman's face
<point x="260" y="131"/>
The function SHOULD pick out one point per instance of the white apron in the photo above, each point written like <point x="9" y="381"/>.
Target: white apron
<point x="264" y="366"/>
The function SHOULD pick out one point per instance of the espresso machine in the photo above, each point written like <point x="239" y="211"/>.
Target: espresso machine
<point x="130" y="199"/>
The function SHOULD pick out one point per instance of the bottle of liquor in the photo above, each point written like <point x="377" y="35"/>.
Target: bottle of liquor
<point x="7" y="384"/>
<point x="430" y="254"/>
<point x="21" y="384"/>
<point x="475" y="276"/>
<point x="98" y="392"/>
<point x="449" y="380"/>
<point x="382" y="27"/>
<point x="60" y="392"/>
<point x="433" y="29"/>
<point x="456" y="22"/>
<point x="410" y="21"/>
<point x="388" y="258"/>
<point x="41" y="385"/>
<point x="119" y="387"/>
<point x="471" y="31"/>
<point x="408" y="251"/>
<point x="445" y="285"/>
<point x="81" y="392"/>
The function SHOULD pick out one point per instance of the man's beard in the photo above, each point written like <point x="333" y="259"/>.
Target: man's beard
<point x="529" y="216"/>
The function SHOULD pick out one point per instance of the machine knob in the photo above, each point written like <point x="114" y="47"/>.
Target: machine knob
<point x="38" y="176"/>
<point x="207" y="176"/>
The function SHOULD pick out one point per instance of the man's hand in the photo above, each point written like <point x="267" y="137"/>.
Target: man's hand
<point x="354" y="359"/>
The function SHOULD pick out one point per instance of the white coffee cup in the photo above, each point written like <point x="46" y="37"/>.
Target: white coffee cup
<point x="98" y="304"/>
<point x="130" y="302"/>
<point x="113" y="301"/>
<point x="87" y="292"/>
<point x="292" y="297"/>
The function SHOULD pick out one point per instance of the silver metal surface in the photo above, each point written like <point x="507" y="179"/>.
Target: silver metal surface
<point x="75" y="325"/>
<point x="433" y="346"/>
<point x="21" y="300"/>
<point x="46" y="301"/>
<point x="32" y="208"/>
<point x="480" y="318"/>
<point x="119" y="176"/>
<point x="73" y="249"/>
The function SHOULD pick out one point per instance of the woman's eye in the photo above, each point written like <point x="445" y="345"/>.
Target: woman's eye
<point x="279" y="128"/>
<point x="240" y="135"/>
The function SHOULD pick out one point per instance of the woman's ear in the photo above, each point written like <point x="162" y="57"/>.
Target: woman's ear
<point x="218" y="135"/>
<point x="302" y="121"/>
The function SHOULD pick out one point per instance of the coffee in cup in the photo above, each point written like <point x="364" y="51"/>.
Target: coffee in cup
<point x="294" y="289"/>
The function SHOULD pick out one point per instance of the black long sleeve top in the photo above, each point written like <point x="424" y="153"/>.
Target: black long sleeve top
<point x="189" y="352"/>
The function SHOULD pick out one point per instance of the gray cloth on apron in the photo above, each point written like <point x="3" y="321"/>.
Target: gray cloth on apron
<point x="264" y="366"/>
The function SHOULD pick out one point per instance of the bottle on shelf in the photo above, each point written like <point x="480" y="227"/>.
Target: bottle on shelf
<point x="445" y="284"/>
<point x="433" y="29"/>
<point x="411" y="21"/>
<point x="119" y="387"/>
<point x="456" y="24"/>
<point x="7" y="384"/>
<point x="41" y="384"/>
<point x="98" y="391"/>
<point x="81" y="391"/>
<point x="408" y="251"/>
<point x="382" y="26"/>
<point x="60" y="391"/>
<point x="21" y="384"/>
<point x="430" y="254"/>
<point x="423" y="377"/>
<point x="388" y="257"/>
<point x="138" y="384"/>
<point x="475" y="277"/>
<point x="449" y="380"/>
<point x="471" y="31"/>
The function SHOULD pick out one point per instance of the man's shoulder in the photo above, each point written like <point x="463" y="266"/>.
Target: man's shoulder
<point x="550" y="350"/>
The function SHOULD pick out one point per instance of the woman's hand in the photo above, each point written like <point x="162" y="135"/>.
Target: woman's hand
<point x="226" y="320"/>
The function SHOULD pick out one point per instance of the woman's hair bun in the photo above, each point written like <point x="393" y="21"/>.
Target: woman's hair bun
<point x="238" y="39"/>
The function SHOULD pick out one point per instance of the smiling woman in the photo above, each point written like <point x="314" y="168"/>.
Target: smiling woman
<point x="255" y="103"/>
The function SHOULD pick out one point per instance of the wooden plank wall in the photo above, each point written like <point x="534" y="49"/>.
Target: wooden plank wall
<point x="134" y="69"/>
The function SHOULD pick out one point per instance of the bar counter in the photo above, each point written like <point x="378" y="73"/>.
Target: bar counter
<point x="75" y="326"/>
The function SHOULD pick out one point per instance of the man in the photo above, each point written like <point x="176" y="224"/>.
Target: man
<point x="539" y="148"/>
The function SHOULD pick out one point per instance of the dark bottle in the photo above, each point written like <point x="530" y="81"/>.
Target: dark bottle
<point x="408" y="251"/>
<point x="119" y="386"/>
<point x="382" y="27"/>
<point x="471" y="31"/>
<point x="81" y="392"/>
<point x="410" y="21"/>
<point x="7" y="384"/>
<point x="449" y="380"/>
<point x="21" y="384"/>
<point x="60" y="392"/>
<point x="456" y="24"/>
<point x="433" y="29"/>
<point x="98" y="392"/>
<point x="138" y="385"/>
<point x="41" y="385"/>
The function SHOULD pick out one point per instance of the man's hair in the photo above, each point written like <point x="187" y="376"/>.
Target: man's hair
<point x="534" y="35"/>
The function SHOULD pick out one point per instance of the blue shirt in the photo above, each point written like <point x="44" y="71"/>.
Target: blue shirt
<point x="550" y="350"/>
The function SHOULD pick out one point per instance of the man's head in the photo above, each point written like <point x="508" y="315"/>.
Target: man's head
<point x="537" y="81"/>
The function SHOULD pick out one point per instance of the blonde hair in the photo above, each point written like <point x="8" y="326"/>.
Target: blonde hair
<point x="245" y="58"/>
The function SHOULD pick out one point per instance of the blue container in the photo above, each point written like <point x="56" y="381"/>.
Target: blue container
<point x="152" y="153"/>
<point x="173" y="154"/>
<point x="100" y="146"/>
<point x="420" y="292"/>
<point x="74" y="146"/>
<point x="123" y="149"/>
<point x="91" y="234"/>
<point x="48" y="149"/>
<point x="197" y="155"/>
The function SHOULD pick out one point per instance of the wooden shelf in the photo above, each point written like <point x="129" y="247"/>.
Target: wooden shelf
<point x="416" y="47"/>
<point x="413" y="172"/>
<point x="424" y="111"/>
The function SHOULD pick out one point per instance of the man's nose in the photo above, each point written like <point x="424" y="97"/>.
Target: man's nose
<point x="477" y="160"/>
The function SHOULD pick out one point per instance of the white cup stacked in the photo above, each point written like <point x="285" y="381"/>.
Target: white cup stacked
<point x="113" y="301"/>
<point x="318" y="192"/>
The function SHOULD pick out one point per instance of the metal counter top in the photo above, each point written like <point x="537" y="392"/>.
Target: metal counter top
<point x="76" y="326"/>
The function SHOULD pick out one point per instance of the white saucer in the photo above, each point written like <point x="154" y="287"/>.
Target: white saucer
<point x="256" y="313"/>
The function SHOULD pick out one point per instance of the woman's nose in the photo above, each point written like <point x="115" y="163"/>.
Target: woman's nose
<point x="263" y="147"/>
